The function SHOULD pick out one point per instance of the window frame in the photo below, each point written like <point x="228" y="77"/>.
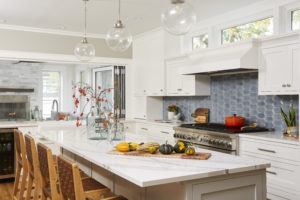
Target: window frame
<point x="291" y="18"/>
<point x="60" y="99"/>
<point x="245" y="23"/>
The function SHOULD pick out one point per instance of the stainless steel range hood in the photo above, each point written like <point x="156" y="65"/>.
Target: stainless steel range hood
<point x="231" y="58"/>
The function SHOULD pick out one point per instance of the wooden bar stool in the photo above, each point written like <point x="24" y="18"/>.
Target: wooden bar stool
<point x="34" y="175"/>
<point x="49" y="177"/>
<point x="74" y="187"/>
<point x="48" y="170"/>
<point x="22" y="166"/>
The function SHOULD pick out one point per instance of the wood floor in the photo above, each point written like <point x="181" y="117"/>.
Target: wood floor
<point x="6" y="190"/>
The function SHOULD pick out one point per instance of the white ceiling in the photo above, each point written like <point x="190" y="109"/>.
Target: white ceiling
<point x="138" y="15"/>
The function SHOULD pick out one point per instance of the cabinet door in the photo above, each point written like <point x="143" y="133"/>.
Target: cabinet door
<point x="279" y="73"/>
<point x="140" y="106"/>
<point x="188" y="84"/>
<point x="174" y="82"/>
<point x="295" y="52"/>
<point x="155" y="62"/>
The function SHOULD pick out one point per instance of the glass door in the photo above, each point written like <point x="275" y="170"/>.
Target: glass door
<point x="104" y="77"/>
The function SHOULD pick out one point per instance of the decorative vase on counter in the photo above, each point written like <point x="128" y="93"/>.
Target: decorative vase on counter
<point x="171" y="115"/>
<point x="293" y="130"/>
<point x="97" y="128"/>
<point x="116" y="131"/>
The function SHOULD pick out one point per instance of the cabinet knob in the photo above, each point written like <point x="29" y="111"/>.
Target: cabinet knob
<point x="161" y="90"/>
<point x="283" y="85"/>
<point x="144" y="90"/>
<point x="289" y="85"/>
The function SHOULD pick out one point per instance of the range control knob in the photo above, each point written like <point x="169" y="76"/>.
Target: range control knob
<point x="199" y="138"/>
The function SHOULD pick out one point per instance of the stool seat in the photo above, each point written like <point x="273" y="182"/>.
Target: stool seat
<point x="91" y="184"/>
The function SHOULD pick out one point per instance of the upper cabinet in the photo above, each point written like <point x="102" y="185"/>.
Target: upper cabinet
<point x="185" y="85"/>
<point x="279" y="71"/>
<point x="149" y="53"/>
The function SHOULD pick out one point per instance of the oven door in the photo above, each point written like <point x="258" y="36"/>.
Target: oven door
<point x="215" y="149"/>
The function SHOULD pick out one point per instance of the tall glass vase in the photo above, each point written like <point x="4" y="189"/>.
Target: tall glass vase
<point x="116" y="131"/>
<point x="96" y="130"/>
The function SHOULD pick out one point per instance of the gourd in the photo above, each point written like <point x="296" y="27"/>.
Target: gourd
<point x="190" y="151"/>
<point x="166" y="148"/>
<point x="123" y="147"/>
<point x="152" y="150"/>
<point x="133" y="146"/>
<point x="146" y="146"/>
<point x="180" y="147"/>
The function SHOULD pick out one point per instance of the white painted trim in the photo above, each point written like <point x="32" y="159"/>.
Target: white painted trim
<point x="60" y="58"/>
<point x="49" y="31"/>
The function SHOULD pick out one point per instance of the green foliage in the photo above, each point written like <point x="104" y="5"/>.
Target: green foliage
<point x="291" y="119"/>
<point x="296" y="20"/>
<point x="200" y="42"/>
<point x="246" y="31"/>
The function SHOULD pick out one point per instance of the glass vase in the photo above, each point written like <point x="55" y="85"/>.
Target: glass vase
<point x="116" y="131"/>
<point x="96" y="130"/>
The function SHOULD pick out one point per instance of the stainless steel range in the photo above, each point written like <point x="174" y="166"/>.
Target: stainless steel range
<point x="213" y="136"/>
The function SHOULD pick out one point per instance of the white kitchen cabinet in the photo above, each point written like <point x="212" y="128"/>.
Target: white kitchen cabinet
<point x="156" y="132"/>
<point x="149" y="53"/>
<point x="147" y="107"/>
<point x="185" y="85"/>
<point x="279" y="71"/>
<point x="283" y="176"/>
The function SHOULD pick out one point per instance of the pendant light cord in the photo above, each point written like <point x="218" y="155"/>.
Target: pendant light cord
<point x="119" y="17"/>
<point x="85" y="21"/>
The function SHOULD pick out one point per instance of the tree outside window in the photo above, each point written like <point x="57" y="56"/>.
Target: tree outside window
<point x="296" y="20"/>
<point x="200" y="42"/>
<point x="255" y="29"/>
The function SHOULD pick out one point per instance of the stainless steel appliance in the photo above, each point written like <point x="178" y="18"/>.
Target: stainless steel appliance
<point x="213" y="136"/>
<point x="7" y="154"/>
<point x="14" y="107"/>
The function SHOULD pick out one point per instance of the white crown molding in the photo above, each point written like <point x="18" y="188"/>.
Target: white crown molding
<point x="49" y="31"/>
<point x="60" y="58"/>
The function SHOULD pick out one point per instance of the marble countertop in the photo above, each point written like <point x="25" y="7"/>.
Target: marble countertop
<point x="17" y="124"/>
<point x="271" y="136"/>
<point x="147" y="171"/>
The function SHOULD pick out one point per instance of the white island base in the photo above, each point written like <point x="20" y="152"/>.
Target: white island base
<point x="250" y="185"/>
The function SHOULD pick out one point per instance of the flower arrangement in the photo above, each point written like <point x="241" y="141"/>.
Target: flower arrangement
<point x="173" y="108"/>
<point x="91" y="101"/>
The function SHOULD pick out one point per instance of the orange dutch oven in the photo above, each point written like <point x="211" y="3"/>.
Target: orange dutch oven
<point x="234" y="121"/>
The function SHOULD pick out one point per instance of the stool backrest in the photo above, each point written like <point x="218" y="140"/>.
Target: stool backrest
<point x="48" y="170"/>
<point x="20" y="147"/>
<point x="68" y="175"/>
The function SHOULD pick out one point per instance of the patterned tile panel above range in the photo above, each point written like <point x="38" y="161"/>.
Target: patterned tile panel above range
<point x="237" y="94"/>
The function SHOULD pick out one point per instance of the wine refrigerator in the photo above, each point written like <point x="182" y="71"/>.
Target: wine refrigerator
<point x="7" y="154"/>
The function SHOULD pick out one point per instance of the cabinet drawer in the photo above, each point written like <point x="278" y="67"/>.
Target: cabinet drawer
<point x="282" y="175"/>
<point x="273" y="149"/>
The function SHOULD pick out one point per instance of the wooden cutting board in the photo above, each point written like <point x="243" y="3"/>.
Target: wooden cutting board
<point x="196" y="156"/>
<point x="201" y="115"/>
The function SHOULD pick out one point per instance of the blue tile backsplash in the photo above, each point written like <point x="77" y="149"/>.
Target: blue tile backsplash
<point x="237" y="94"/>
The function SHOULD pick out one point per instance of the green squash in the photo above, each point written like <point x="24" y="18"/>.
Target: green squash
<point x="190" y="151"/>
<point x="166" y="148"/>
<point x="180" y="147"/>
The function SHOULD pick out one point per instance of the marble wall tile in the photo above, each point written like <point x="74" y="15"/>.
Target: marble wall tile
<point x="237" y="94"/>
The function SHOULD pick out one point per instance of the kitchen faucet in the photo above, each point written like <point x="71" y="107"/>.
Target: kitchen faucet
<point x="55" y="102"/>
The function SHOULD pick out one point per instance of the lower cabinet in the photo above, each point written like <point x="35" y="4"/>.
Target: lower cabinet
<point x="156" y="132"/>
<point x="283" y="175"/>
<point x="239" y="188"/>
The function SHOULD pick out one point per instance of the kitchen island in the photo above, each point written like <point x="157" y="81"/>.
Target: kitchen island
<point x="221" y="177"/>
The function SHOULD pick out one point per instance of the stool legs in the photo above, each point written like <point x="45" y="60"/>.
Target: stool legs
<point x="17" y="180"/>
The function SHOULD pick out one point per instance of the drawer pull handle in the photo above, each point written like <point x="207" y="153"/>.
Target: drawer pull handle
<point x="266" y="150"/>
<point x="289" y="85"/>
<point x="179" y="89"/>
<point x="270" y="172"/>
<point x="284" y="85"/>
<point x="165" y="132"/>
<point x="144" y="129"/>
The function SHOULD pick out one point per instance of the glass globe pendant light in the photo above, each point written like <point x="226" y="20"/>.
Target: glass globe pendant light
<point x="178" y="18"/>
<point x="118" y="38"/>
<point x="84" y="51"/>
